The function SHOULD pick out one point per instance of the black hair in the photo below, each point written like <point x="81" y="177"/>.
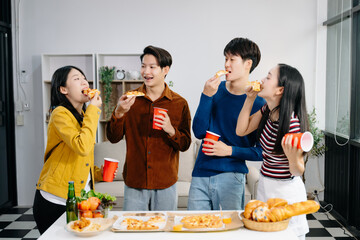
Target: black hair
<point x="246" y="49"/>
<point x="162" y="56"/>
<point x="58" y="80"/>
<point x="292" y="101"/>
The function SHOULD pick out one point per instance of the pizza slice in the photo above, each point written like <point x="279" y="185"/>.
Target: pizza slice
<point x="220" y="73"/>
<point x="135" y="93"/>
<point x="90" y="92"/>
<point x="255" y="85"/>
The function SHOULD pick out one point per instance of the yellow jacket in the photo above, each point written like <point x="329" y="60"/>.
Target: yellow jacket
<point x="69" y="154"/>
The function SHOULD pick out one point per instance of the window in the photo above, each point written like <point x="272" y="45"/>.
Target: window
<point x="343" y="69"/>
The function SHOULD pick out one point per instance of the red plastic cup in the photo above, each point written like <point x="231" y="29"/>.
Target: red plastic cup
<point x="110" y="166"/>
<point x="305" y="140"/>
<point x="212" y="136"/>
<point x="156" y="113"/>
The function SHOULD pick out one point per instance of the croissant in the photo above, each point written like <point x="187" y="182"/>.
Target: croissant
<point x="276" y="202"/>
<point x="287" y="211"/>
<point x="277" y="209"/>
<point x="251" y="206"/>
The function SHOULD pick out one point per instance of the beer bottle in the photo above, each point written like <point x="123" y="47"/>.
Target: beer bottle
<point x="71" y="204"/>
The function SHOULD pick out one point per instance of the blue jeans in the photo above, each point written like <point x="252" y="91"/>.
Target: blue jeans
<point x="225" y="189"/>
<point x="138" y="199"/>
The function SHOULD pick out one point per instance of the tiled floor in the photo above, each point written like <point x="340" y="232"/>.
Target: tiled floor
<point x="18" y="223"/>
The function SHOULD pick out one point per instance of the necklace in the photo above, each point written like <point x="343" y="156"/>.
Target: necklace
<point x="272" y="112"/>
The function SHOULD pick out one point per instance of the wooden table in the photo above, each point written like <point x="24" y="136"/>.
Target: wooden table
<point x="58" y="231"/>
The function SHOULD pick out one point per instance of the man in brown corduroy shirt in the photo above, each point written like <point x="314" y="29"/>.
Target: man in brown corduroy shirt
<point x="152" y="156"/>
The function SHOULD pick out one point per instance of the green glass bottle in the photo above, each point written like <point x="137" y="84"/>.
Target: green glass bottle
<point x="71" y="204"/>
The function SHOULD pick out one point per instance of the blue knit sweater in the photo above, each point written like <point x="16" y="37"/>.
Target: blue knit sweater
<point x="219" y="114"/>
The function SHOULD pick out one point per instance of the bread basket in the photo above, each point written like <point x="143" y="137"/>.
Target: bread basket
<point x="265" y="226"/>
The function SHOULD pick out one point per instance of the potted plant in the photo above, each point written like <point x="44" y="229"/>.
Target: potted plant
<point x="106" y="78"/>
<point x="319" y="147"/>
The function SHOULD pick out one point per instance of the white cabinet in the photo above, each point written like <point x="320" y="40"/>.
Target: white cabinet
<point x="90" y="65"/>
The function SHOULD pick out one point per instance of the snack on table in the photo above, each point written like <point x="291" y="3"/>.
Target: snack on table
<point x="135" y="224"/>
<point x="220" y="73"/>
<point x="202" y="221"/>
<point x="261" y="212"/>
<point x="90" y="92"/>
<point x="135" y="93"/>
<point x="85" y="225"/>
<point x="250" y="207"/>
<point x="255" y="85"/>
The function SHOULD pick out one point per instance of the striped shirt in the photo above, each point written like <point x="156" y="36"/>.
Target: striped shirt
<point x="275" y="165"/>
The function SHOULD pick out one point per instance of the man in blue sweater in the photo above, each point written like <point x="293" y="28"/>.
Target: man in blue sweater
<point x="218" y="178"/>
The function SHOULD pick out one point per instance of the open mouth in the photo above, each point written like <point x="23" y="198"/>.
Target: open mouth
<point x="147" y="78"/>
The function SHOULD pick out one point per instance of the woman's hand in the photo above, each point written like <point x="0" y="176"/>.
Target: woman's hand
<point x="217" y="148"/>
<point x="124" y="104"/>
<point x="96" y="100"/>
<point x="294" y="155"/>
<point x="250" y="93"/>
<point x="211" y="86"/>
<point x="102" y="171"/>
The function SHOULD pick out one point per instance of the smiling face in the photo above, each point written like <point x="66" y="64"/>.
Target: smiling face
<point x="238" y="68"/>
<point x="75" y="84"/>
<point x="270" y="85"/>
<point x="151" y="72"/>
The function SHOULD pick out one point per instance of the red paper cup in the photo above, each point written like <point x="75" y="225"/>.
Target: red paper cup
<point x="110" y="166"/>
<point x="305" y="140"/>
<point x="156" y="113"/>
<point x="212" y="136"/>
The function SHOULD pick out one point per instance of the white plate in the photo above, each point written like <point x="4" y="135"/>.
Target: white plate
<point x="105" y="224"/>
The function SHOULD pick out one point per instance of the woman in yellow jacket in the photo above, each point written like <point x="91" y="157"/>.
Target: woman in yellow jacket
<point x="69" y="154"/>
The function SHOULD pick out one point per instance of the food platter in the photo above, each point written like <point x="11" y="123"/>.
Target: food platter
<point x="176" y="219"/>
<point x="140" y="222"/>
<point x="96" y="226"/>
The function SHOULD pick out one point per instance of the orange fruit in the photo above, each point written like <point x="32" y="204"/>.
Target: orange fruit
<point x="98" y="215"/>
<point x="94" y="203"/>
<point x="85" y="205"/>
<point x="177" y="227"/>
<point x="227" y="220"/>
<point x="87" y="214"/>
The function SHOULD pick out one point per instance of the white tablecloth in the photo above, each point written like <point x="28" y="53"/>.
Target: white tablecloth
<point x="57" y="231"/>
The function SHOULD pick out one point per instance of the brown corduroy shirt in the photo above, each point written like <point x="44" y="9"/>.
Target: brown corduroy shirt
<point x="152" y="156"/>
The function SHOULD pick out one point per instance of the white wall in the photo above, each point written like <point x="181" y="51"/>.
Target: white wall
<point x="194" y="32"/>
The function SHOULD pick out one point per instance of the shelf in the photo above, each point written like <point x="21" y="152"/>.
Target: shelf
<point x="90" y="65"/>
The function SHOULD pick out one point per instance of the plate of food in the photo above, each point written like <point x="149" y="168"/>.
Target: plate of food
<point x="87" y="227"/>
<point x="135" y="93"/>
<point x="140" y="222"/>
<point x="203" y="222"/>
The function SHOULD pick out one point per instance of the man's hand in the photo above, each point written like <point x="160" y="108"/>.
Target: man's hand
<point x="124" y="104"/>
<point x="219" y="148"/>
<point x="165" y="123"/>
<point x="211" y="86"/>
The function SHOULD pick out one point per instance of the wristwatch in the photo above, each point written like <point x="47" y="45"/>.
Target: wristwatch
<point x="120" y="74"/>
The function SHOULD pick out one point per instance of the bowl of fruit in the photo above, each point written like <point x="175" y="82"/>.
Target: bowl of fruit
<point x="94" y="204"/>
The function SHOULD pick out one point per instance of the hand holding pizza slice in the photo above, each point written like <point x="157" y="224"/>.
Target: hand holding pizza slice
<point x="90" y="92"/>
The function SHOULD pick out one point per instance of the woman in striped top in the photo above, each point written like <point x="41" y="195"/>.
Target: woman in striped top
<point x="284" y="112"/>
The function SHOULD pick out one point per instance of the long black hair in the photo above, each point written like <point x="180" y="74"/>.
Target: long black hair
<point x="292" y="101"/>
<point x="57" y="98"/>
